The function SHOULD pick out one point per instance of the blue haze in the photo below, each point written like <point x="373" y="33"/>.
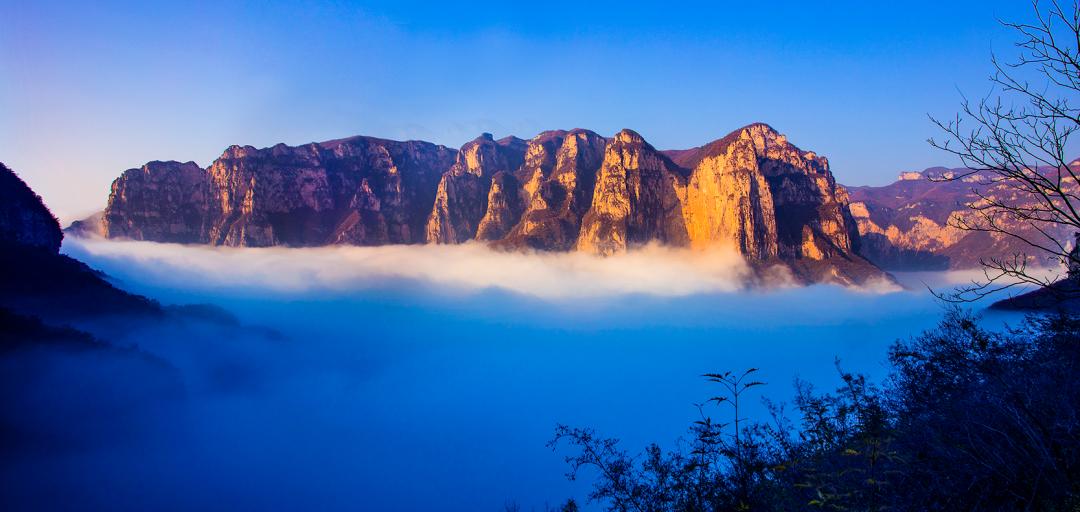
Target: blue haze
<point x="406" y="397"/>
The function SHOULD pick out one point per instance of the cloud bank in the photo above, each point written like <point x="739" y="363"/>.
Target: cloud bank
<point x="358" y="387"/>
<point x="652" y="270"/>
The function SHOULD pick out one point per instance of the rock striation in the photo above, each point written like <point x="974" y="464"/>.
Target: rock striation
<point x="772" y="200"/>
<point x="462" y="198"/>
<point x="555" y="187"/>
<point x="361" y="190"/>
<point x="637" y="199"/>
<point x="751" y="190"/>
<point x="159" y="201"/>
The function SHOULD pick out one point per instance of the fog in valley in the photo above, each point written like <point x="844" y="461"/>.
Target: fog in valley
<point x="424" y="378"/>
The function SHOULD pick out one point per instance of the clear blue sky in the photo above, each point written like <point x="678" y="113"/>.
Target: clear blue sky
<point x="88" y="89"/>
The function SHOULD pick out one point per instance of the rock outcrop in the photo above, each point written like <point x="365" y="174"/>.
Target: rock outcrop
<point x="556" y="186"/>
<point x="637" y="199"/>
<point x="361" y="190"/>
<point x="462" y="198"/>
<point x="773" y="201"/>
<point x="93" y="225"/>
<point x="752" y="191"/>
<point x="159" y="201"/>
<point x="770" y="199"/>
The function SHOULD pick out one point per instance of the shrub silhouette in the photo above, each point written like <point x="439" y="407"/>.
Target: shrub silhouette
<point x="968" y="419"/>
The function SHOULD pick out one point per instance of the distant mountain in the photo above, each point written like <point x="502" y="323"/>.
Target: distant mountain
<point x="559" y="191"/>
<point x="906" y="225"/>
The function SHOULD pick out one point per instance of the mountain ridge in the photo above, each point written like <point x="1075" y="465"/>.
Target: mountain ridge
<point x="910" y="224"/>
<point x="562" y="190"/>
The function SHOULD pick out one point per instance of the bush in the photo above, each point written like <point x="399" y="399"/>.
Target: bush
<point x="969" y="419"/>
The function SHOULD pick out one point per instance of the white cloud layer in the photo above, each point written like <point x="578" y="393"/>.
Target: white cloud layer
<point x="652" y="270"/>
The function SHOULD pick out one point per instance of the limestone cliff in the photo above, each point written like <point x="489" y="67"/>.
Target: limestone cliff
<point x="556" y="186"/>
<point x="504" y="207"/>
<point x="637" y="199"/>
<point x="756" y="191"/>
<point x="159" y="201"/>
<point x="751" y="191"/>
<point x="360" y="190"/>
<point x="461" y="200"/>
<point x="729" y="200"/>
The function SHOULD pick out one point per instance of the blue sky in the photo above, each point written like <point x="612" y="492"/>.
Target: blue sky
<point x="88" y="90"/>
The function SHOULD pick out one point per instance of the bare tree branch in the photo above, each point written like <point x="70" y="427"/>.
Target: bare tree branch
<point x="1015" y="139"/>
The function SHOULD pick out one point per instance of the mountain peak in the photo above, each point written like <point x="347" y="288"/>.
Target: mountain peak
<point x="759" y="126"/>
<point x="508" y="140"/>
<point x="759" y="133"/>
<point x="628" y="136"/>
<point x="487" y="138"/>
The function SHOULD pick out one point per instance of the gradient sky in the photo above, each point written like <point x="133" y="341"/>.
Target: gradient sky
<point x="88" y="89"/>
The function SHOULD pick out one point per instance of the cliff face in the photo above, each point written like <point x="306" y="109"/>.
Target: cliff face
<point x="637" y="199"/>
<point x="462" y="198"/>
<point x="159" y="201"/>
<point x="562" y="190"/>
<point x="557" y="181"/>
<point x="361" y="190"/>
<point x="909" y="224"/>
<point x="24" y="219"/>
<point x="756" y="191"/>
<point x="729" y="199"/>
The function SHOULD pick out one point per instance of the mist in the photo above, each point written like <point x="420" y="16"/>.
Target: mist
<point x="470" y="267"/>
<point x="417" y="378"/>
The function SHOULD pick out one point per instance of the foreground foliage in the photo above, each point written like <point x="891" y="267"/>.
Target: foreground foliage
<point x="969" y="419"/>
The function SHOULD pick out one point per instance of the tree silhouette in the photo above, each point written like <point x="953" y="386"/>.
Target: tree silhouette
<point x="1017" y="138"/>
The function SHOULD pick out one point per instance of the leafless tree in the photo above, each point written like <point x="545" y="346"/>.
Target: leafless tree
<point x="1016" y="138"/>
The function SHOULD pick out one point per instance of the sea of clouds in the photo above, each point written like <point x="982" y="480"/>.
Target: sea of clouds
<point x="653" y="270"/>
<point x="412" y="377"/>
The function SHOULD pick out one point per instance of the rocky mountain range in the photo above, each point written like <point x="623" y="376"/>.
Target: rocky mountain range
<point x="751" y="190"/>
<point x="574" y="190"/>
